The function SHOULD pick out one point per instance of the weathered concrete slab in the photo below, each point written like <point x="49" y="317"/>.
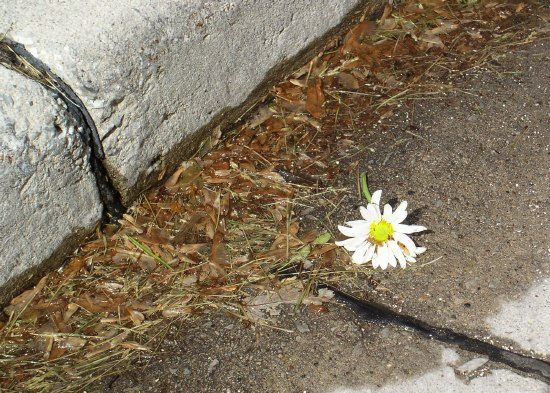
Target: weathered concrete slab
<point x="48" y="196"/>
<point x="330" y="352"/>
<point x="526" y="320"/>
<point x="476" y="165"/>
<point x="153" y="74"/>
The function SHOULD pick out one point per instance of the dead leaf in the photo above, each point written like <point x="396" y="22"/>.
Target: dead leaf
<point x="260" y="117"/>
<point x="520" y="7"/>
<point x="136" y="317"/>
<point x="432" y="40"/>
<point x="348" y="81"/>
<point x="112" y="343"/>
<point x="21" y="302"/>
<point x="176" y="312"/>
<point x="72" y="343"/>
<point x="134" y="346"/>
<point x="443" y="28"/>
<point x="352" y="41"/>
<point x="315" y="99"/>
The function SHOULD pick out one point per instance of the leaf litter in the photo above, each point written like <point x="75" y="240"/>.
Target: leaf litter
<point x="245" y="227"/>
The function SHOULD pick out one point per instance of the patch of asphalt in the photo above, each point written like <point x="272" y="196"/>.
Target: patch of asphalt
<point x="336" y="353"/>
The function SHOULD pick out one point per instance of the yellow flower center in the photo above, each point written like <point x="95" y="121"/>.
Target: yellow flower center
<point x="380" y="231"/>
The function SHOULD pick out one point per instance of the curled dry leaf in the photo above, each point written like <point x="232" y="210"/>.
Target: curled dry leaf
<point x="315" y="99"/>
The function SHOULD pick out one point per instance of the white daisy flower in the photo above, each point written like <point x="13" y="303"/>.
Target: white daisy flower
<point x="381" y="237"/>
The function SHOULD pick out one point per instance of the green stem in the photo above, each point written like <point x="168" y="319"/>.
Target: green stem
<point x="364" y="187"/>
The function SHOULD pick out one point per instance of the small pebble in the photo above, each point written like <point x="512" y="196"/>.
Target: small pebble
<point x="302" y="327"/>
<point x="472" y="365"/>
<point x="212" y="365"/>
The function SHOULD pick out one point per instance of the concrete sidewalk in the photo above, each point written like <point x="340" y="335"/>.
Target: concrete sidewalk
<point x="476" y="165"/>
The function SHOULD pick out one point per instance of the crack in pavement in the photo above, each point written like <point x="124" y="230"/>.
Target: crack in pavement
<point x="14" y="56"/>
<point x="536" y="368"/>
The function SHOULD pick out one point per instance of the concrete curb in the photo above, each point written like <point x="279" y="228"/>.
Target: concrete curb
<point x="143" y="83"/>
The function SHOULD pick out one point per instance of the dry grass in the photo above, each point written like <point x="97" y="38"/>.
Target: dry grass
<point x="221" y="229"/>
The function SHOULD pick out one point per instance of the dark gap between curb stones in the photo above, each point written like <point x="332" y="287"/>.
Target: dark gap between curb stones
<point x="536" y="368"/>
<point x="109" y="195"/>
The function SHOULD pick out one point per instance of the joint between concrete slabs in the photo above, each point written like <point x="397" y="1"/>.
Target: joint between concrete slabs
<point x="14" y="56"/>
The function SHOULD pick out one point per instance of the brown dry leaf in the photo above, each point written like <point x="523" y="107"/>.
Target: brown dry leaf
<point x="56" y="352"/>
<point x="176" y="312"/>
<point x="134" y="346"/>
<point x="520" y="7"/>
<point x="136" y="317"/>
<point x="73" y="267"/>
<point x="315" y="99"/>
<point x="388" y="24"/>
<point x="432" y="40"/>
<point x="173" y="179"/>
<point x="129" y="222"/>
<point x="72" y="343"/>
<point x="147" y="263"/>
<point x="443" y="28"/>
<point x="98" y="303"/>
<point x="112" y="343"/>
<point x="352" y="41"/>
<point x="155" y="236"/>
<point x="21" y="302"/>
<point x="187" y="176"/>
<point x="71" y="309"/>
<point x="192" y="248"/>
<point x="321" y="250"/>
<point x="387" y="12"/>
<point x="263" y="114"/>
<point x="219" y="255"/>
<point x="348" y="81"/>
<point x="305" y="119"/>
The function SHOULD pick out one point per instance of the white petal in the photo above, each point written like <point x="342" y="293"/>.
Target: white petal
<point x="396" y="250"/>
<point x="400" y="213"/>
<point x="384" y="256"/>
<point x="375" y="259"/>
<point x="408" y="228"/>
<point x="370" y="252"/>
<point x="420" y="250"/>
<point x="410" y="259"/>
<point x="368" y="214"/>
<point x="352" y="232"/>
<point x="374" y="211"/>
<point x="391" y="258"/>
<point x="359" y="225"/>
<point x="402" y="206"/>
<point x="363" y="254"/>
<point x="352" y="243"/>
<point x="376" y="195"/>
<point x="406" y="241"/>
<point x="387" y="212"/>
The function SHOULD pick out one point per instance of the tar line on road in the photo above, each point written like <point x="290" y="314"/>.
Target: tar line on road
<point x="537" y="368"/>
